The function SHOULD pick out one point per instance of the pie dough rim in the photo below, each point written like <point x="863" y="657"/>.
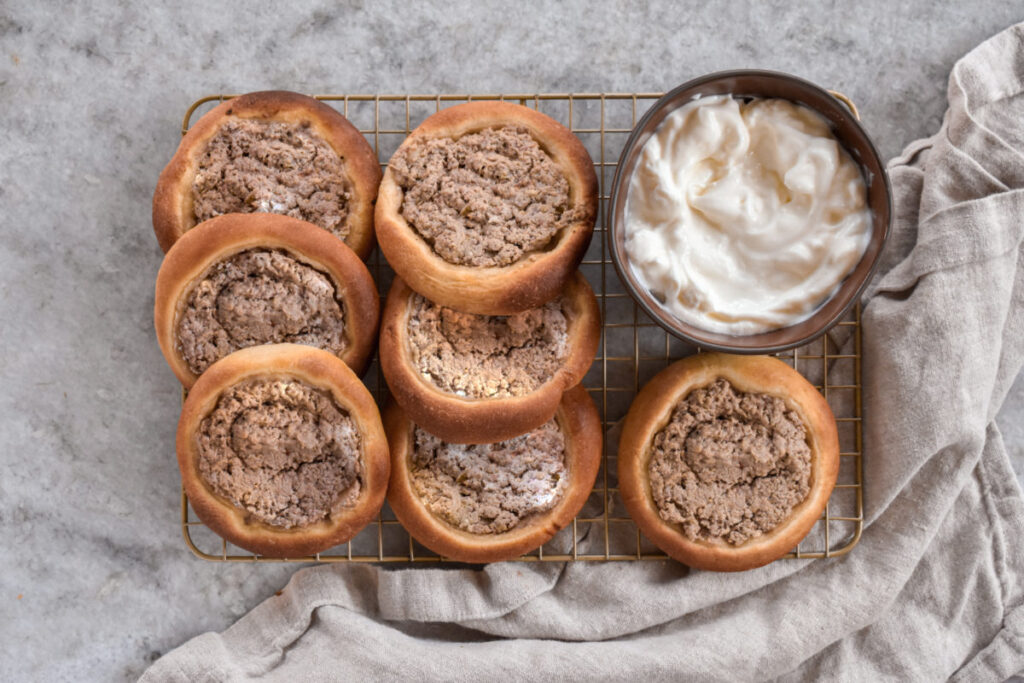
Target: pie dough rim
<point x="458" y="419"/>
<point x="223" y="236"/>
<point x="533" y="280"/>
<point x="577" y="416"/>
<point x="172" y="200"/>
<point x="651" y="411"/>
<point x="318" y="369"/>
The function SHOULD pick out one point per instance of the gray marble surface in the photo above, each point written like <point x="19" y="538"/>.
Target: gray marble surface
<point x="95" y="581"/>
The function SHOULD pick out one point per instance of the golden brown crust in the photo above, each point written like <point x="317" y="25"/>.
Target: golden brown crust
<point x="318" y="369"/>
<point x="458" y="419"/>
<point x="172" y="200"/>
<point x="531" y="281"/>
<point x="651" y="411"/>
<point x="578" y="418"/>
<point x="224" y="236"/>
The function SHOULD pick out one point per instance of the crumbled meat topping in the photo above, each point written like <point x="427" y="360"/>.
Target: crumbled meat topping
<point x="485" y="199"/>
<point x="490" y="488"/>
<point x="729" y="465"/>
<point x="487" y="356"/>
<point x="281" y="450"/>
<point x="259" y="296"/>
<point x="272" y="167"/>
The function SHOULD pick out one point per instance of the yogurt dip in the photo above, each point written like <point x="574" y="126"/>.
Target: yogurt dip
<point x="744" y="216"/>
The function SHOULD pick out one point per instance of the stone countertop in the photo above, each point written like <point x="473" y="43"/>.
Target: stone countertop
<point x="95" y="581"/>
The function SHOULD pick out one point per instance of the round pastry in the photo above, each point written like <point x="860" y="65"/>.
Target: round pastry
<point x="482" y="378"/>
<point x="282" y="451"/>
<point x="271" y="152"/>
<point x="487" y="207"/>
<point x="726" y="462"/>
<point x="494" y="502"/>
<point x="247" y="279"/>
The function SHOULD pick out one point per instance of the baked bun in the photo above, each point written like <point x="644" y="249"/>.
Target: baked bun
<point x="442" y="493"/>
<point x="248" y="424"/>
<point x="272" y="151"/>
<point x="726" y="462"/>
<point x="246" y="279"/>
<point x="478" y="379"/>
<point x="487" y="207"/>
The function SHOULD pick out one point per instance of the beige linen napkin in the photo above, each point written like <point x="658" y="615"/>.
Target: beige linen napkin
<point x="934" y="589"/>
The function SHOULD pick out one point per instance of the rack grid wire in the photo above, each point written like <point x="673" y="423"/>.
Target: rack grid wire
<point x="632" y="350"/>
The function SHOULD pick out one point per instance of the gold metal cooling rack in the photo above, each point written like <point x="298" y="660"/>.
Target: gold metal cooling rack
<point x="632" y="350"/>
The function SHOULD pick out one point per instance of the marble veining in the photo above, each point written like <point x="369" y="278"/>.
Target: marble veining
<point x="95" y="581"/>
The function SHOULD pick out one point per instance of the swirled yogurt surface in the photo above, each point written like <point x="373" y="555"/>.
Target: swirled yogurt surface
<point x="744" y="216"/>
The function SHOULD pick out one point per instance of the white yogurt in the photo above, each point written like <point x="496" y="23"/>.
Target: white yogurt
<point x="744" y="217"/>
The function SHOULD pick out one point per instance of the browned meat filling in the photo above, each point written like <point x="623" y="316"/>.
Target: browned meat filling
<point x="487" y="356"/>
<point x="281" y="450"/>
<point x="490" y="488"/>
<point x="272" y="167"/>
<point x="729" y="465"/>
<point x="486" y="199"/>
<point x="259" y="296"/>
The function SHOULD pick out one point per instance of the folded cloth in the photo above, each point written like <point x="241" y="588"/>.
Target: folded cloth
<point x="934" y="589"/>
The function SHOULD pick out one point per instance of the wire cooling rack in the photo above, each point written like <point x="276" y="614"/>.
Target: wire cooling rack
<point x="633" y="349"/>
